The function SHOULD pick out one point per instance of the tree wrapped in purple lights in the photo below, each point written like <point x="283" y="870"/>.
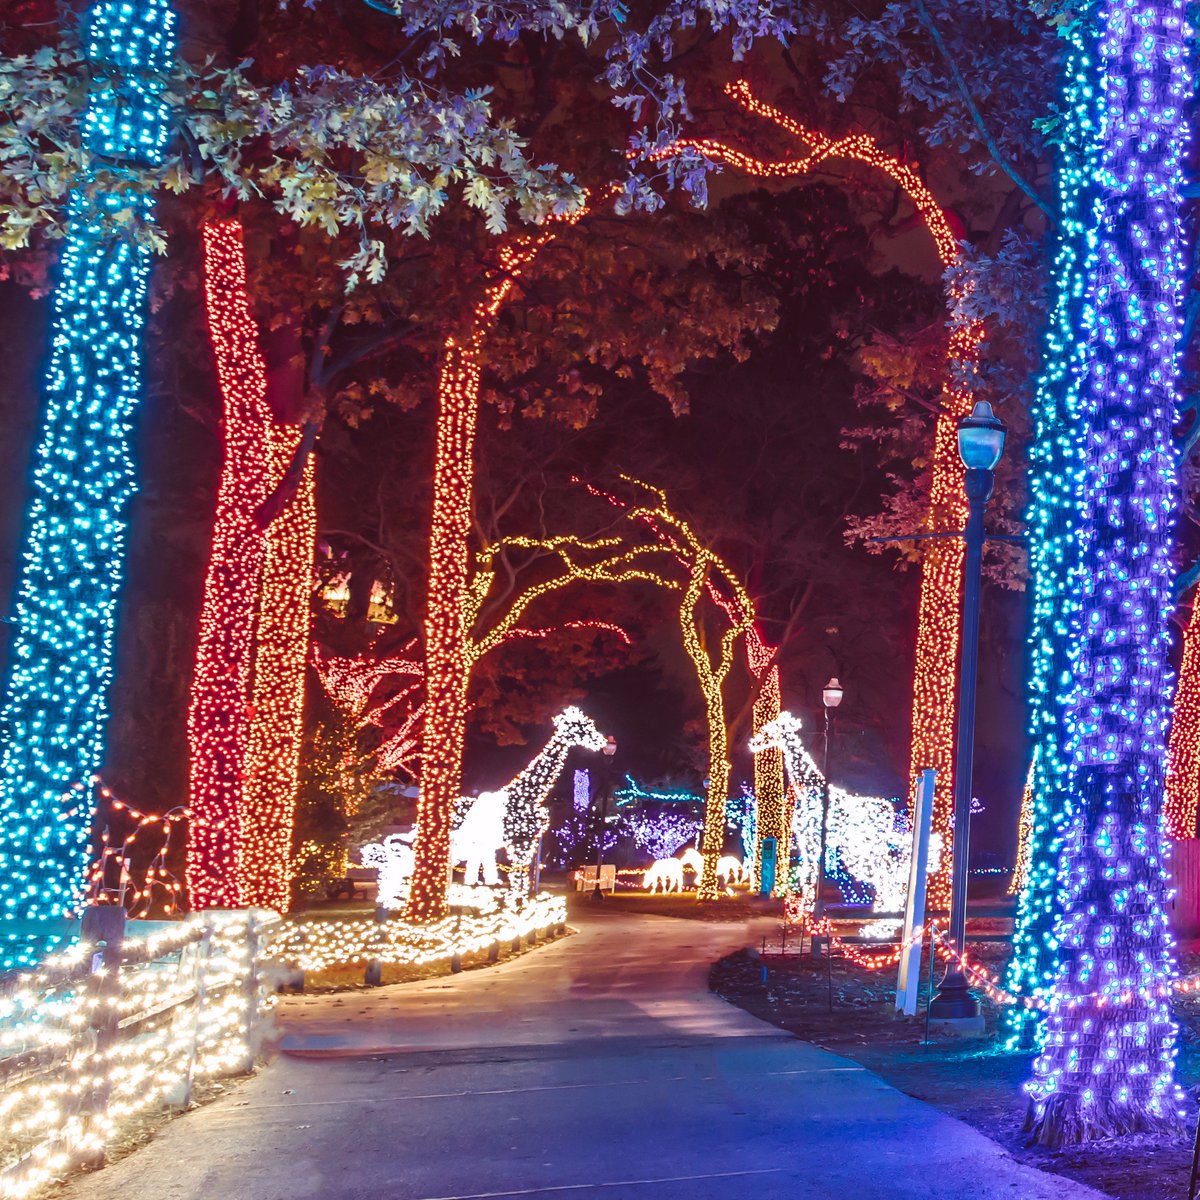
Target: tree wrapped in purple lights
<point x="1107" y="1065"/>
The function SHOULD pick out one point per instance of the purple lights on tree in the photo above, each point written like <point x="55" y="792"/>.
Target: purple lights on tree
<point x="1107" y="1066"/>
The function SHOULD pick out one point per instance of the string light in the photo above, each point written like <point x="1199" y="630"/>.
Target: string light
<point x="768" y="765"/>
<point x="178" y="1023"/>
<point x="392" y="859"/>
<point x="319" y="945"/>
<point x="218" y="716"/>
<point x="1107" y="1063"/>
<point x="56" y="699"/>
<point x="1055" y="520"/>
<point x="352" y="684"/>
<point x="935" y="698"/>
<point x="1183" y="747"/>
<point x="861" y="830"/>
<point x="447" y="663"/>
<point x="526" y="817"/>
<point x="1024" y="834"/>
<point x="245" y="718"/>
<point x="157" y="883"/>
<point x="277" y="692"/>
<point x="707" y="575"/>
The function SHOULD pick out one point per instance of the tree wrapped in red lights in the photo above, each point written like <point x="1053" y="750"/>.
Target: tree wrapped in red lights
<point x="218" y="716"/>
<point x="244" y="721"/>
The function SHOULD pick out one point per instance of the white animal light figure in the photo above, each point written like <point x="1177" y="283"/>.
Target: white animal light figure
<point x="692" y="860"/>
<point x="861" y="828"/>
<point x="479" y="838"/>
<point x="731" y="870"/>
<point x="393" y="859"/>
<point x="664" y="872"/>
<point x="526" y="816"/>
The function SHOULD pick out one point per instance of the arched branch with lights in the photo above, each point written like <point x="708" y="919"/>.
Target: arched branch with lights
<point x="935" y="701"/>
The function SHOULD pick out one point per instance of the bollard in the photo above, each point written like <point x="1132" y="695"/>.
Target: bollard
<point x="373" y="975"/>
<point x="494" y="952"/>
<point x="455" y="963"/>
<point x="516" y="944"/>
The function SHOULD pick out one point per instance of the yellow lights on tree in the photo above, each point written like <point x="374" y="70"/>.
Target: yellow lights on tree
<point x="935" y="699"/>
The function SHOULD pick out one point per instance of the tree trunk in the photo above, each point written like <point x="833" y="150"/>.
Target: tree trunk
<point x="1108" y="1063"/>
<point x="768" y="777"/>
<point x="1055" y="523"/>
<point x="712" y="843"/>
<point x="935" y="677"/>
<point x="277" y="690"/>
<point x="447" y="666"/>
<point x="217" y="714"/>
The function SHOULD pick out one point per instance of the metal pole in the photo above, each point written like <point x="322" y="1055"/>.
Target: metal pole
<point x="819" y="900"/>
<point x="954" y="1000"/>
<point x="597" y="894"/>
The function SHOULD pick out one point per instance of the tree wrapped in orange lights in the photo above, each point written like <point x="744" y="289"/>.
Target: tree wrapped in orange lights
<point x="247" y="691"/>
<point x="1183" y="749"/>
<point x="447" y="660"/>
<point x="706" y="576"/>
<point x="277" y="693"/>
<point x="935" y="700"/>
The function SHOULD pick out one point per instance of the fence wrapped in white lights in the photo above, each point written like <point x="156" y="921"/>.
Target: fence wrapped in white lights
<point x="318" y="945"/>
<point x="91" y="1039"/>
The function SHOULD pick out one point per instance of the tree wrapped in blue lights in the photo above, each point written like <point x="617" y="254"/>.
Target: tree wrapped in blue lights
<point x="56" y="699"/>
<point x="1055" y="520"/>
<point x="1107" y="1065"/>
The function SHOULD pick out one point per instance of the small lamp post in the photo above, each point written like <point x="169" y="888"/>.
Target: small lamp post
<point x="980" y="445"/>
<point x="831" y="697"/>
<point x="610" y="748"/>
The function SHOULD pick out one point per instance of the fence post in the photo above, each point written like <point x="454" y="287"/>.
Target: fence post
<point x="200" y="987"/>
<point x="908" y="974"/>
<point x="104" y="986"/>
<point x="251" y="988"/>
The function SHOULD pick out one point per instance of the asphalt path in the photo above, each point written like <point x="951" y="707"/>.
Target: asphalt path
<point x="599" y="1066"/>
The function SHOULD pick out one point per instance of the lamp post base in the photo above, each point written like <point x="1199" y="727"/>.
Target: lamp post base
<point x="597" y="894"/>
<point x="954" y="1001"/>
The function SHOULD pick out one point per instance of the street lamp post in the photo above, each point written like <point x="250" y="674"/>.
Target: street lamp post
<point x="831" y="697"/>
<point x="610" y="748"/>
<point x="980" y="444"/>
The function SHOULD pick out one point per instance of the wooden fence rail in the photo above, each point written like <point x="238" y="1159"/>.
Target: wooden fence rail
<point x="100" y="1036"/>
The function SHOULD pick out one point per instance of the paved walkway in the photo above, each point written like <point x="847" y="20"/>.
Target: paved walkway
<point x="599" y="1067"/>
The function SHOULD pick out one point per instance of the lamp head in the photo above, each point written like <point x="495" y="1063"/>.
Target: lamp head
<point x="981" y="438"/>
<point x="831" y="694"/>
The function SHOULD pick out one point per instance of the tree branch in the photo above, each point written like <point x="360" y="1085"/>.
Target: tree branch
<point x="977" y="117"/>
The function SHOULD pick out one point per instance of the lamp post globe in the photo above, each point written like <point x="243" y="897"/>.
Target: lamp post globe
<point x="980" y="444"/>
